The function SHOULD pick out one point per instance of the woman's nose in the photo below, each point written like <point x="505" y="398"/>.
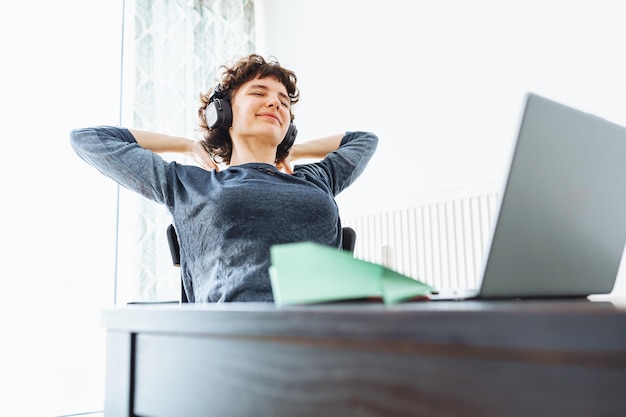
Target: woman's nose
<point x="274" y="102"/>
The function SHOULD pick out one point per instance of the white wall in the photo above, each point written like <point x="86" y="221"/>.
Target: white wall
<point x="61" y="66"/>
<point x="442" y="82"/>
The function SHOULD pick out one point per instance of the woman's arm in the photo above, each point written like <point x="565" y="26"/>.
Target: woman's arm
<point x="316" y="149"/>
<point x="161" y="143"/>
<point x="339" y="167"/>
<point x="313" y="149"/>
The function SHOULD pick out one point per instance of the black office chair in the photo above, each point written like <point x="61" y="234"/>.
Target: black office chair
<point x="348" y="241"/>
<point x="348" y="244"/>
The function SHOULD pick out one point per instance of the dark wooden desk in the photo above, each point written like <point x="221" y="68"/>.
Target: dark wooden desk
<point x="521" y="358"/>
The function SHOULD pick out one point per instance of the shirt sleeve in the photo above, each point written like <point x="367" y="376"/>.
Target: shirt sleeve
<point x="343" y="166"/>
<point x="114" y="152"/>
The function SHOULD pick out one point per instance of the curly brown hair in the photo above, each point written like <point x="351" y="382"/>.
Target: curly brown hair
<point x="218" y="141"/>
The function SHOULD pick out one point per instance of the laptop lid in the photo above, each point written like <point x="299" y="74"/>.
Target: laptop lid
<point x="561" y="227"/>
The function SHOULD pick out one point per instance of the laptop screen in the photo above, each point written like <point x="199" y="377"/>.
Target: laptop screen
<point x="561" y="226"/>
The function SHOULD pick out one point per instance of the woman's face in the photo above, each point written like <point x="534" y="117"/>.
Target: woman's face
<point x="261" y="110"/>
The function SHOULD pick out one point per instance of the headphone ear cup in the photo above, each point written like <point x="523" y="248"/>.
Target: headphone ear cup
<point x="218" y="114"/>
<point x="289" y="138"/>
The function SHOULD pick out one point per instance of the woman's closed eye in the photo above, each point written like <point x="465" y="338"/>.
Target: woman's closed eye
<point x="259" y="93"/>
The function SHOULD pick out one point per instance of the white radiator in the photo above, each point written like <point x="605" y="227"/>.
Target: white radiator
<point x="440" y="241"/>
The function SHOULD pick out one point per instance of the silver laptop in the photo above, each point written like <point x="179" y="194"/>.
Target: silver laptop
<point x="561" y="226"/>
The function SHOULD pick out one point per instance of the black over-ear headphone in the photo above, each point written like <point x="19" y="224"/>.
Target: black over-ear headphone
<point x="219" y="115"/>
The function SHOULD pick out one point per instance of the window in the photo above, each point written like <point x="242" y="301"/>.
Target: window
<point x="173" y="50"/>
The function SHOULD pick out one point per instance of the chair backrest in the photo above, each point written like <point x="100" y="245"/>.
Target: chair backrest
<point x="172" y="240"/>
<point x="348" y="243"/>
<point x="349" y="239"/>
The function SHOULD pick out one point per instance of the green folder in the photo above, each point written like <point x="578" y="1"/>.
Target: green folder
<point x="307" y="272"/>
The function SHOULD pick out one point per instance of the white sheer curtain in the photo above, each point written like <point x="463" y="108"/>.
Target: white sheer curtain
<point x="172" y="51"/>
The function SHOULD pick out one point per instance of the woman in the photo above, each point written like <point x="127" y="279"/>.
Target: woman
<point x="228" y="219"/>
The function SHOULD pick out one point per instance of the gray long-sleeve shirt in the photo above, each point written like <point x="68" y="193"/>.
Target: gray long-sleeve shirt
<point x="227" y="220"/>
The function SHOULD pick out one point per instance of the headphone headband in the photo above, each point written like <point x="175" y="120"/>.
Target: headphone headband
<point x="218" y="92"/>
